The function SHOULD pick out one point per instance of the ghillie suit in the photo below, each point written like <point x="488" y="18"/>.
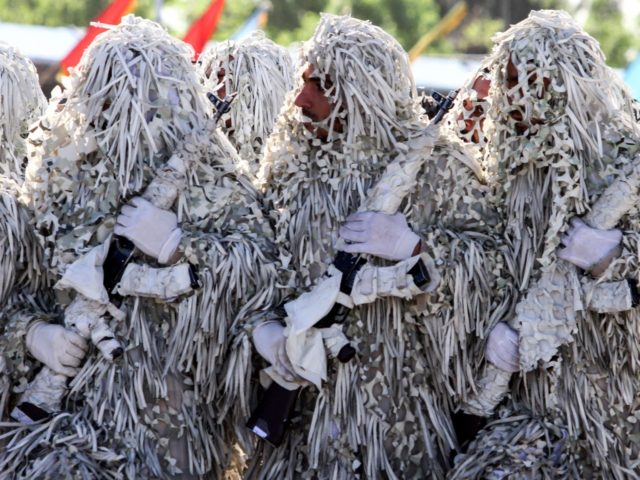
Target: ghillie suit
<point x="21" y="103"/>
<point x="23" y="289"/>
<point x="559" y="134"/>
<point x="130" y="112"/>
<point x="461" y="358"/>
<point x="261" y="73"/>
<point x="22" y="293"/>
<point x="381" y="414"/>
<point x="23" y="285"/>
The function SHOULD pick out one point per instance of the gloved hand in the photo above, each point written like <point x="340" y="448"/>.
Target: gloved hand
<point x="585" y="246"/>
<point x="502" y="348"/>
<point x="379" y="234"/>
<point x="151" y="229"/>
<point x="58" y="348"/>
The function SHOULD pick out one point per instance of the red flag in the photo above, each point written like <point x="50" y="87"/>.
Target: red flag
<point x="110" y="15"/>
<point x="202" y="29"/>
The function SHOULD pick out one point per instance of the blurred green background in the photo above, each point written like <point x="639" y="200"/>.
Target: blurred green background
<point x="609" y="21"/>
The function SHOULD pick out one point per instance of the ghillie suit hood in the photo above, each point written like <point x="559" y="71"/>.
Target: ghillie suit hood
<point x="21" y="103"/>
<point x="119" y="107"/>
<point x="261" y="73"/>
<point x="464" y="124"/>
<point x="558" y="134"/>
<point x="376" y="415"/>
<point x="133" y="102"/>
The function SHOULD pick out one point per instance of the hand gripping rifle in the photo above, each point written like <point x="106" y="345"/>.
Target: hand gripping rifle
<point x="161" y="195"/>
<point x="272" y="416"/>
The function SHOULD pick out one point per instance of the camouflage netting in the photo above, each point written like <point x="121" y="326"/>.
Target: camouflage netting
<point x="21" y="103"/>
<point x="167" y="407"/>
<point x="24" y="283"/>
<point x="261" y="73"/>
<point x="519" y="446"/>
<point x="387" y="412"/>
<point x="560" y="130"/>
<point x="22" y="292"/>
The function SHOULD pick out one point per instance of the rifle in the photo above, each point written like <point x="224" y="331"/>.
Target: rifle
<point x="273" y="414"/>
<point x="435" y="106"/>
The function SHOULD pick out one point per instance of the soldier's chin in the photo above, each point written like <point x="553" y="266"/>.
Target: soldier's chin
<point x="320" y="133"/>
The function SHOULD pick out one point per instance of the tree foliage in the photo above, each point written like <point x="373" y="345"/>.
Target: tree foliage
<point x="605" y="23"/>
<point x="50" y="12"/>
<point x="294" y="20"/>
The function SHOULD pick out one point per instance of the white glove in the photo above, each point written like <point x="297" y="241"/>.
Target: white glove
<point x="585" y="246"/>
<point x="502" y="348"/>
<point x="151" y="229"/>
<point x="58" y="348"/>
<point x="379" y="234"/>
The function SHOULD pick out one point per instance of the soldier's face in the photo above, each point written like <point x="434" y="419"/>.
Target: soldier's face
<point x="222" y="90"/>
<point x="475" y="116"/>
<point x="220" y="73"/>
<point x="522" y="96"/>
<point x="219" y="76"/>
<point x="314" y="103"/>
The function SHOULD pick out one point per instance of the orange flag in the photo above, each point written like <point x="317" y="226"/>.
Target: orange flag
<point x="110" y="15"/>
<point x="202" y="29"/>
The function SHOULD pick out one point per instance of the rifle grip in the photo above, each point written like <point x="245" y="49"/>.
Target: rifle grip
<point x="120" y="254"/>
<point x="270" y="420"/>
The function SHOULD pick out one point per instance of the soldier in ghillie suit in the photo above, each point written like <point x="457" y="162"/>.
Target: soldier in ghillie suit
<point x="348" y="135"/>
<point x="25" y="302"/>
<point x="260" y="72"/>
<point x="562" y="155"/>
<point x="130" y="151"/>
<point x="21" y="103"/>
